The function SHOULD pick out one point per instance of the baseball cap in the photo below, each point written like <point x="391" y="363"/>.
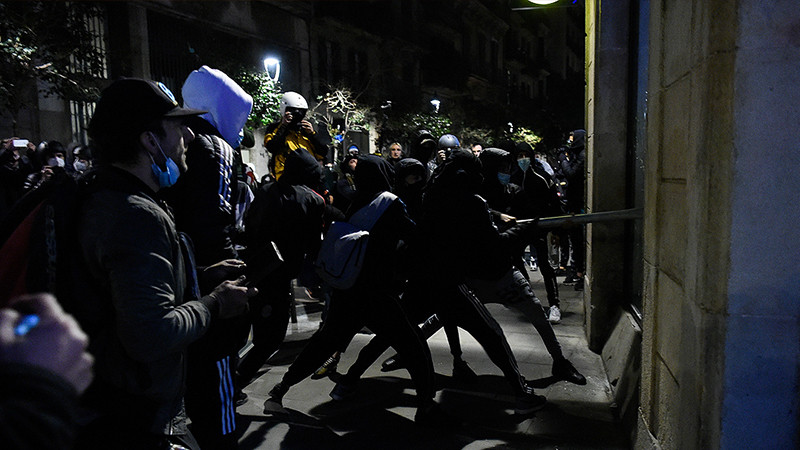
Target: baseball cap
<point x="128" y="105"/>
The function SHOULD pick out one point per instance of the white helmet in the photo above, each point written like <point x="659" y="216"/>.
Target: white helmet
<point x="292" y="100"/>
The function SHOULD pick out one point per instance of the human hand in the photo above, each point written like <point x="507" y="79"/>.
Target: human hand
<point x="232" y="297"/>
<point x="505" y="218"/>
<point x="441" y="155"/>
<point x="56" y="343"/>
<point x="224" y="270"/>
<point x="306" y="127"/>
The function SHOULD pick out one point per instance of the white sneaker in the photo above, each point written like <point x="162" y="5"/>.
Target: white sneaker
<point x="554" y="315"/>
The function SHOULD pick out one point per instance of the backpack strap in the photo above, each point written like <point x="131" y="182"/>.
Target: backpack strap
<point x="366" y="217"/>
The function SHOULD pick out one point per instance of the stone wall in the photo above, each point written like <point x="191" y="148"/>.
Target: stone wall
<point x="720" y="344"/>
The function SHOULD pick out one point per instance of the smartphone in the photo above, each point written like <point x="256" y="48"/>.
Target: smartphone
<point x="21" y="143"/>
<point x="262" y="262"/>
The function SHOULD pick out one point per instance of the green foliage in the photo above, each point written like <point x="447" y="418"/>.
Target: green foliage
<point x="50" y="42"/>
<point x="266" y="96"/>
<point x="406" y="127"/>
<point x="340" y="103"/>
<point x="522" y="134"/>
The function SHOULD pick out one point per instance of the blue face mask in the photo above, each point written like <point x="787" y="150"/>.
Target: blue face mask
<point x="168" y="177"/>
<point x="524" y="163"/>
<point x="504" y="178"/>
<point x="239" y="139"/>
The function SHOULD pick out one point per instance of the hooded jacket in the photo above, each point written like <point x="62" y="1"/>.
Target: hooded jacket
<point x="374" y="175"/>
<point x="411" y="195"/>
<point x="457" y="226"/>
<point x="203" y="196"/>
<point x="288" y="212"/>
<point x="506" y="199"/>
<point x="228" y="105"/>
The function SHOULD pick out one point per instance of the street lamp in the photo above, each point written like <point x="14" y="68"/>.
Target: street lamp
<point x="546" y="4"/>
<point x="275" y="64"/>
<point x="435" y="103"/>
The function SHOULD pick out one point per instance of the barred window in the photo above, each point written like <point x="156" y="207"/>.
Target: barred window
<point x="81" y="111"/>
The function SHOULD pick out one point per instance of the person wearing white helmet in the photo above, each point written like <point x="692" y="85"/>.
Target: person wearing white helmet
<point x="292" y="132"/>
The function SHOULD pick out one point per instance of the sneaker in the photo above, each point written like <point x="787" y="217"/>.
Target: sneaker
<point x="276" y="394"/>
<point x="571" y="279"/>
<point x="534" y="267"/>
<point x="564" y="370"/>
<point x="579" y="284"/>
<point x="343" y="390"/>
<point x="392" y="363"/>
<point x="463" y="372"/>
<point x="554" y="314"/>
<point x="241" y="398"/>
<point x="435" y="417"/>
<point x="327" y="368"/>
<point x="529" y="402"/>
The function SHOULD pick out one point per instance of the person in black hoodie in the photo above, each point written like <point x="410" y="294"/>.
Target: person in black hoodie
<point x="512" y="289"/>
<point x="371" y="301"/>
<point x="456" y="224"/>
<point x="541" y="200"/>
<point x="290" y="213"/>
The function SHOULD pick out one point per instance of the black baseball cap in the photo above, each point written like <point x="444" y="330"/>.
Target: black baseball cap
<point x="128" y="105"/>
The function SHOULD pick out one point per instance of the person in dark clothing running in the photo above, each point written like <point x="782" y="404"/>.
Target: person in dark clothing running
<point x="371" y="302"/>
<point x="456" y="223"/>
<point x="290" y="214"/>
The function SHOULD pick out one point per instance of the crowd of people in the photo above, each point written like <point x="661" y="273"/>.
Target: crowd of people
<point x="180" y="253"/>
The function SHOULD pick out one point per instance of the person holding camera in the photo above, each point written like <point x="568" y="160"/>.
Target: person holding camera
<point x="292" y="132"/>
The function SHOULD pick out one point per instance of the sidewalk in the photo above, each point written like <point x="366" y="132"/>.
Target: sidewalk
<point x="381" y="414"/>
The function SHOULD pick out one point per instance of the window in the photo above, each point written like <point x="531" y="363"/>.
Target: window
<point x="80" y="112"/>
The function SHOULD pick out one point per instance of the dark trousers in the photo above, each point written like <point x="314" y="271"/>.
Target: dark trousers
<point x="456" y="306"/>
<point x="539" y="245"/>
<point x="269" y="315"/>
<point x="211" y="403"/>
<point x="380" y="311"/>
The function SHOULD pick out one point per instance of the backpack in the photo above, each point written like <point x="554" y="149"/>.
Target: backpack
<point x="341" y="256"/>
<point x="36" y="240"/>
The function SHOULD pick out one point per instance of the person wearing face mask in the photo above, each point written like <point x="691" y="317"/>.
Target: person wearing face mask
<point x="542" y="201"/>
<point x="51" y="156"/>
<point x="140" y="298"/>
<point x="81" y="159"/>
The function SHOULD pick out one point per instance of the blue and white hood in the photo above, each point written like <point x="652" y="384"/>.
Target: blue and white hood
<point x="228" y="105"/>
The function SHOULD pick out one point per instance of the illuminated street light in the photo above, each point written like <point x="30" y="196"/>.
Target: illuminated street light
<point x="435" y="103"/>
<point x="275" y="64"/>
<point x="546" y="4"/>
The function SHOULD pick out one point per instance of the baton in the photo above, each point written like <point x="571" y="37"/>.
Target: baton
<point x="575" y="219"/>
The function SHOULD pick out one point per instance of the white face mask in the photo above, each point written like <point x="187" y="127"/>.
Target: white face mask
<point x="56" y="162"/>
<point x="79" y="165"/>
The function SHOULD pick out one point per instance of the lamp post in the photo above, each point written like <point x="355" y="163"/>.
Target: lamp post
<point x="272" y="64"/>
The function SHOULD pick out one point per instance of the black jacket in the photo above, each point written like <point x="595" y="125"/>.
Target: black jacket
<point x="373" y="176"/>
<point x="202" y="199"/>
<point x="458" y="237"/>
<point x="289" y="213"/>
